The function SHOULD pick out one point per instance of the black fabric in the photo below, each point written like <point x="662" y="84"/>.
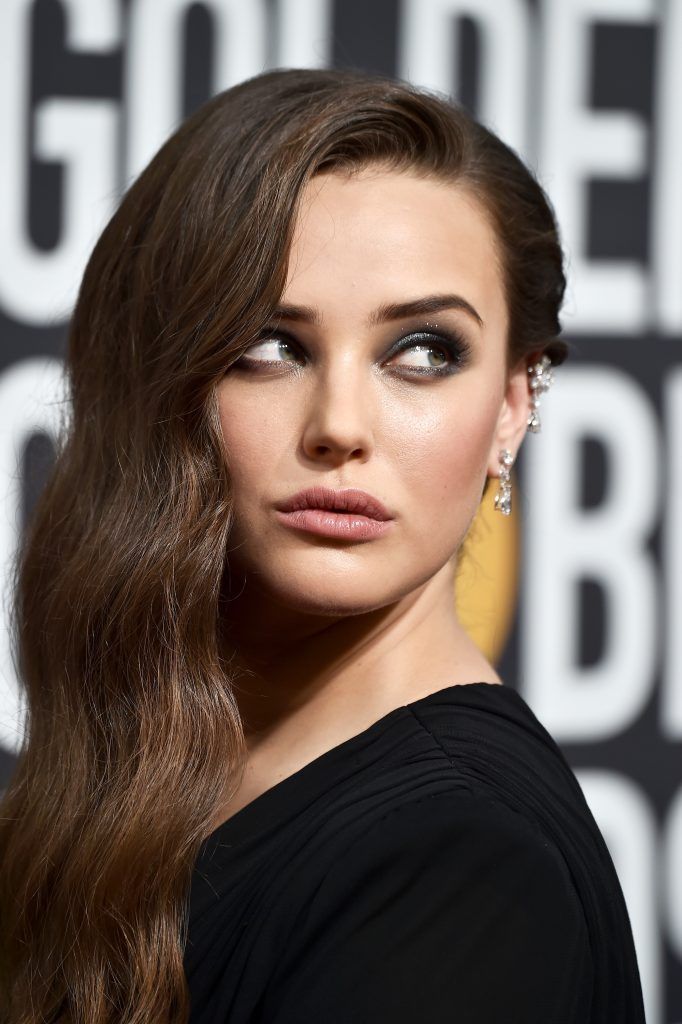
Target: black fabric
<point x="442" y="865"/>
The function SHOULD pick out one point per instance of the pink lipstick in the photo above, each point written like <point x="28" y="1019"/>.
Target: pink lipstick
<point x="348" y="514"/>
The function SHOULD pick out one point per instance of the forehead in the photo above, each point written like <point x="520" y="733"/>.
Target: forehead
<point x="394" y="232"/>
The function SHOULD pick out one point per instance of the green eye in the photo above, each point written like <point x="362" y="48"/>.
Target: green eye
<point x="442" y="356"/>
<point x="452" y="353"/>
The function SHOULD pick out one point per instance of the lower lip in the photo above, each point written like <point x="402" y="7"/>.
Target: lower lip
<point x="345" y="526"/>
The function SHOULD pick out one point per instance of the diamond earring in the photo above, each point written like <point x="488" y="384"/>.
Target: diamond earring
<point x="541" y="379"/>
<point x="503" y="496"/>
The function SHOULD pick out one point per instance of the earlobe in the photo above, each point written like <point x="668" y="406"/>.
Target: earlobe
<point x="513" y="418"/>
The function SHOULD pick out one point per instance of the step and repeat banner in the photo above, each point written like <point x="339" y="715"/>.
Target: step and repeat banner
<point x="590" y="94"/>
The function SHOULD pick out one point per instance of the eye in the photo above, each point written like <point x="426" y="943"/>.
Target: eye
<point x="432" y="354"/>
<point x="270" y="347"/>
<point x="427" y="350"/>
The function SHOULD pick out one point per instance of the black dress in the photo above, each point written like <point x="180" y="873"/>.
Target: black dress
<point x="441" y="866"/>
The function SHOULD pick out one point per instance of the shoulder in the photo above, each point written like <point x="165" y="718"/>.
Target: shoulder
<point x="452" y="837"/>
<point x="448" y="902"/>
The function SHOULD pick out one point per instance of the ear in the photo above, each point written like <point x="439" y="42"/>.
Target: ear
<point x="513" y="419"/>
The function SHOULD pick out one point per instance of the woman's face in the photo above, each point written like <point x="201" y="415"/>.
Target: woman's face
<point x="411" y="408"/>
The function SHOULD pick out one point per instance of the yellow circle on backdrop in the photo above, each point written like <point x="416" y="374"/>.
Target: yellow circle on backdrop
<point x="486" y="587"/>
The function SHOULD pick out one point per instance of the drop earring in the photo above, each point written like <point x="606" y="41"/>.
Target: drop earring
<point x="540" y="380"/>
<point x="503" y="496"/>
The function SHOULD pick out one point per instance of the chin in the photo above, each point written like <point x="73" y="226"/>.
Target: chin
<point x="332" y="594"/>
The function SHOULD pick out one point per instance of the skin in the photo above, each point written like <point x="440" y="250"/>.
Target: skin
<point x="328" y="635"/>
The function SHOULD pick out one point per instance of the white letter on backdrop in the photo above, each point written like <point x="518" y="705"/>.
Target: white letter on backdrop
<point x="427" y="56"/>
<point x="578" y="143"/>
<point x="666" y="194"/>
<point x="39" y="287"/>
<point x="564" y="542"/>
<point x="153" y="79"/>
<point x="31" y="396"/>
<point x="671" y="560"/>
<point x="305" y="33"/>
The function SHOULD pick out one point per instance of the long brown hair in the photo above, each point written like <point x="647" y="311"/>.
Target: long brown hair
<point x="132" y="727"/>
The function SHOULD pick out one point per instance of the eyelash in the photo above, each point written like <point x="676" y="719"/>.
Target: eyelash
<point x="452" y="343"/>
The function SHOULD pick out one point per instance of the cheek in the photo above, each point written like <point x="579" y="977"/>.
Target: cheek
<point x="445" y="456"/>
<point x="252" y="442"/>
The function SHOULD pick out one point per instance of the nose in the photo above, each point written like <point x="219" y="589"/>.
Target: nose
<point x="338" y="413"/>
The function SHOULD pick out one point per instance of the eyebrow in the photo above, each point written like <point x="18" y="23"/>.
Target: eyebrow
<point x="388" y="311"/>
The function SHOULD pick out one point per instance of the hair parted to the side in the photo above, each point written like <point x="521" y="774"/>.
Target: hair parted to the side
<point x="132" y="727"/>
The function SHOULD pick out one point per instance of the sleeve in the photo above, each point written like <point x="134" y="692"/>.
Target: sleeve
<point x="450" y="908"/>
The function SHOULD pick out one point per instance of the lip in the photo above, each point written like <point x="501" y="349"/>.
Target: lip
<point x="348" y="514"/>
<point x="348" y="500"/>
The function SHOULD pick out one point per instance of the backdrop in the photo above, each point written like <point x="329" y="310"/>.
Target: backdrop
<point x="578" y="598"/>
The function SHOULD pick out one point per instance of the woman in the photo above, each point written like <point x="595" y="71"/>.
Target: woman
<point x="267" y="775"/>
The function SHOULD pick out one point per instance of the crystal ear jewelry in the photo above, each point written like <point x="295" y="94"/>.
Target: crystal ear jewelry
<point x="503" y="496"/>
<point x="541" y="379"/>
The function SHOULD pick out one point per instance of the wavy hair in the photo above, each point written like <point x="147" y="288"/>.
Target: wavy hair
<point x="132" y="727"/>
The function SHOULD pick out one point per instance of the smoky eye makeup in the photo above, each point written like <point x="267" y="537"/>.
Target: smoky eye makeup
<point x="451" y="346"/>
<point x="452" y="350"/>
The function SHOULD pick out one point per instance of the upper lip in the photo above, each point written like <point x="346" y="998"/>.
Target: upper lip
<point x="348" y="500"/>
